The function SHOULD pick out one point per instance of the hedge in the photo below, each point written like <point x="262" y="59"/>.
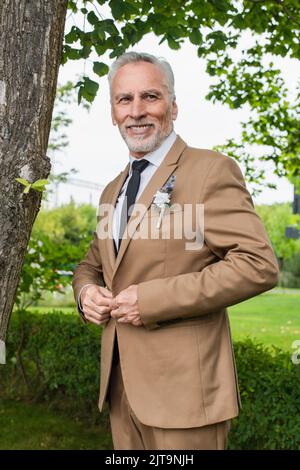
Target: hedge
<point x="60" y="364"/>
<point x="270" y="391"/>
<point x="53" y="357"/>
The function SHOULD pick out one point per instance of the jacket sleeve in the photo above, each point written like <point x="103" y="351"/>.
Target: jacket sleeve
<point x="246" y="265"/>
<point x="88" y="271"/>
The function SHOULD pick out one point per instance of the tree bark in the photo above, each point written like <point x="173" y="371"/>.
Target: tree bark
<point x="31" y="37"/>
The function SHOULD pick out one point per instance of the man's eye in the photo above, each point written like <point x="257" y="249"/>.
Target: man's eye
<point x="151" y="97"/>
<point x="124" y="99"/>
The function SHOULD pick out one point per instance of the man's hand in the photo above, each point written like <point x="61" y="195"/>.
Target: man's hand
<point x="96" y="304"/>
<point x="125" y="307"/>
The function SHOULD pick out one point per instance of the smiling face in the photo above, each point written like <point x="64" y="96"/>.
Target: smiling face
<point x="142" y="107"/>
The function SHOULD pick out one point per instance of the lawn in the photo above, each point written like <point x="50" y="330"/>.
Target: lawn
<point x="26" y="426"/>
<point x="270" y="318"/>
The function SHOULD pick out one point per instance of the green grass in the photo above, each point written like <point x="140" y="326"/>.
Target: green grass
<point x="66" y="310"/>
<point x="272" y="318"/>
<point x="26" y="426"/>
<point x="56" y="299"/>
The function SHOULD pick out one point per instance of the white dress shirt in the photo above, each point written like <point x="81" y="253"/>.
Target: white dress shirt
<point x="155" y="158"/>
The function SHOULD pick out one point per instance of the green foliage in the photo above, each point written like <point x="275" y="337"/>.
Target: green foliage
<point x="38" y="185"/>
<point x="100" y="68"/>
<point x="292" y="265"/>
<point x="217" y="28"/>
<point x="276" y="218"/>
<point x="61" y="361"/>
<point x="40" y="272"/>
<point x="288" y="279"/>
<point x="69" y="223"/>
<point x="269" y="385"/>
<point x="59" y="240"/>
<point x="274" y="122"/>
<point x="87" y="89"/>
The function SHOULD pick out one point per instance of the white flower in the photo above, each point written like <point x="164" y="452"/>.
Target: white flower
<point x="40" y="243"/>
<point x="161" y="199"/>
<point x="31" y="251"/>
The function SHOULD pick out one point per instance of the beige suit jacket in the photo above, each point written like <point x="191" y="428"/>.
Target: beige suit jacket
<point x="179" y="368"/>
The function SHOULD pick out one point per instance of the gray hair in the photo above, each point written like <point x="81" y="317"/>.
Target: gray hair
<point x="134" y="57"/>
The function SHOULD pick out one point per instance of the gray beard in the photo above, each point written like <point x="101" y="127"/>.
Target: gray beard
<point x="145" y="145"/>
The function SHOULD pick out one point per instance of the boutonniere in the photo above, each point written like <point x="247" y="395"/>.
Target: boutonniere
<point x="162" y="198"/>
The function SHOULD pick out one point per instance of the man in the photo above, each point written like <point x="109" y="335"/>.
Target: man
<point x="167" y="365"/>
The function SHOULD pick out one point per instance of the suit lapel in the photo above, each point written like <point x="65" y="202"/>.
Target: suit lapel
<point x="111" y="199"/>
<point x="159" y="178"/>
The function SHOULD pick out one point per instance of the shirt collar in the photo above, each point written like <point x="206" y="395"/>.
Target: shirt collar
<point x="157" y="156"/>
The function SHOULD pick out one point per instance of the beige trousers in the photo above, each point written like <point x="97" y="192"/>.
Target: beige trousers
<point x="129" y="433"/>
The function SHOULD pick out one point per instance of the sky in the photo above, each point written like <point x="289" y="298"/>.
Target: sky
<point x="97" y="151"/>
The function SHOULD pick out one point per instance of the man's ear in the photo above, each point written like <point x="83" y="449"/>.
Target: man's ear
<point x="174" y="109"/>
<point x="113" y="118"/>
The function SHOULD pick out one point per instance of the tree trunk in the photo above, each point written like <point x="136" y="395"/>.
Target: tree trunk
<point x="31" y="37"/>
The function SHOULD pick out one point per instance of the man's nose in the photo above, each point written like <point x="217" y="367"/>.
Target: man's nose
<point x="138" y="109"/>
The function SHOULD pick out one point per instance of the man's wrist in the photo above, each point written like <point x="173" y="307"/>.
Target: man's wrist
<point x="79" y="305"/>
<point x="80" y="294"/>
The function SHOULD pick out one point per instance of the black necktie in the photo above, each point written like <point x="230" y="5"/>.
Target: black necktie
<point x="132" y="189"/>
